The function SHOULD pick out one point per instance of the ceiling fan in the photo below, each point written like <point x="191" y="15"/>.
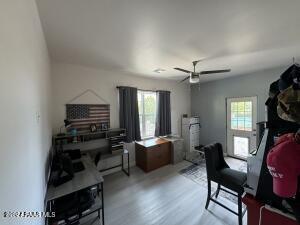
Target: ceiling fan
<point x="195" y="76"/>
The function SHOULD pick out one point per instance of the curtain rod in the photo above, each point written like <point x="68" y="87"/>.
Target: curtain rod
<point x="143" y="89"/>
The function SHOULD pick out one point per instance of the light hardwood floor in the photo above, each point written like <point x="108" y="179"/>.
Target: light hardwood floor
<point x="161" y="197"/>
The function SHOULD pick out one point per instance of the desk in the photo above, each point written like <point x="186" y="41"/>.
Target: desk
<point x="152" y="154"/>
<point x="115" y="137"/>
<point x="87" y="178"/>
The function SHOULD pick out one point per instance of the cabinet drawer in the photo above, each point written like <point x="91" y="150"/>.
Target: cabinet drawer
<point x="153" y="157"/>
<point x="166" y="153"/>
<point x="158" y="156"/>
<point x="154" y="153"/>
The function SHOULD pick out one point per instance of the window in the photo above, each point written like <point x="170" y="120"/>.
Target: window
<point x="241" y="116"/>
<point x="241" y="146"/>
<point x="147" y="113"/>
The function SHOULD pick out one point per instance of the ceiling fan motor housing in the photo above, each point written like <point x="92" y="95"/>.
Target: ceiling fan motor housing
<point x="194" y="75"/>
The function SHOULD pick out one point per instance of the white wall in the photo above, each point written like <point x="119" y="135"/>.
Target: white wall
<point x="71" y="80"/>
<point x="210" y="104"/>
<point x="24" y="94"/>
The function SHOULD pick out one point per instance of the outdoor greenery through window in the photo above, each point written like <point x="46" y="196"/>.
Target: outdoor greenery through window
<point x="147" y="113"/>
<point x="241" y="116"/>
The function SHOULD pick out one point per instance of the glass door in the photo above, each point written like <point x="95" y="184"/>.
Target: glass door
<point x="241" y="126"/>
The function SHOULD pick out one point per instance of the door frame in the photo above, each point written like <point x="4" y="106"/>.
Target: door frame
<point x="227" y="121"/>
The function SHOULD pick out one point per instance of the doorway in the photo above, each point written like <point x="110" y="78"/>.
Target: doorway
<point x="241" y="126"/>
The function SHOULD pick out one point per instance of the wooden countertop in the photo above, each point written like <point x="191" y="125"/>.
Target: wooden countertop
<point x="152" y="142"/>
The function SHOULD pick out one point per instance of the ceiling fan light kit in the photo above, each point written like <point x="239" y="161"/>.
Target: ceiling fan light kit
<point x="194" y="79"/>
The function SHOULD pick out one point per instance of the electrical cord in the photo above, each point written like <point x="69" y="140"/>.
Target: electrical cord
<point x="260" y="212"/>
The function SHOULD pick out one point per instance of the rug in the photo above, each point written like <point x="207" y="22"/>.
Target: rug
<point x="197" y="173"/>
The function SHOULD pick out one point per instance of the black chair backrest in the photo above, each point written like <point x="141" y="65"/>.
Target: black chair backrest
<point x="214" y="160"/>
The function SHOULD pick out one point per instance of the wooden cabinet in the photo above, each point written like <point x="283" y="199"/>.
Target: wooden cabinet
<point x="152" y="154"/>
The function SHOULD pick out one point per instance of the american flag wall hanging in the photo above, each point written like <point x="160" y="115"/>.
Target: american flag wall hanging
<point x="82" y="116"/>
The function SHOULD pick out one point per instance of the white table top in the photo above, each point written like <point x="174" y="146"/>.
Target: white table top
<point x="90" y="176"/>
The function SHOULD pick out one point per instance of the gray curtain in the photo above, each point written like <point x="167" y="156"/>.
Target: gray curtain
<point x="163" y="114"/>
<point x="129" y="113"/>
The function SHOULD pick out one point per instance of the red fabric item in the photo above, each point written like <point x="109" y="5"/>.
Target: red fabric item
<point x="267" y="217"/>
<point x="253" y="207"/>
<point x="284" y="165"/>
<point x="272" y="218"/>
<point x="285" y="137"/>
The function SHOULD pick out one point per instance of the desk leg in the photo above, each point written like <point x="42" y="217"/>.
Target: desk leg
<point x="122" y="158"/>
<point x="98" y="190"/>
<point x="102" y="200"/>
<point x="50" y="205"/>
<point x="128" y="165"/>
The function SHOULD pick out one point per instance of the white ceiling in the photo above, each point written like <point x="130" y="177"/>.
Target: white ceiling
<point x="139" y="36"/>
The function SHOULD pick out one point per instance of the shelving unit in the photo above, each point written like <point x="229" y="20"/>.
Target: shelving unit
<point x="116" y="141"/>
<point x="88" y="179"/>
<point x="95" y="208"/>
<point x="81" y="137"/>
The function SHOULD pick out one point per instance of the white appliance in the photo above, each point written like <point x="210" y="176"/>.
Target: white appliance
<point x="190" y="131"/>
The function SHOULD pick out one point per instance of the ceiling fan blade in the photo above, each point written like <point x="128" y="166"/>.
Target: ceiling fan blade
<point x="182" y="70"/>
<point x="214" y="71"/>
<point x="185" y="79"/>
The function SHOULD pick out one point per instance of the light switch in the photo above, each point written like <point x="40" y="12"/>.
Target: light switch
<point x="38" y="116"/>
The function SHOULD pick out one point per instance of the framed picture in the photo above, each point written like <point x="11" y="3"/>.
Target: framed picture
<point x="93" y="127"/>
<point x="103" y="126"/>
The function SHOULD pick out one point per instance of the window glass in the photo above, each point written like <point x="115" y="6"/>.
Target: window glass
<point x="241" y="146"/>
<point x="241" y="115"/>
<point x="147" y="113"/>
